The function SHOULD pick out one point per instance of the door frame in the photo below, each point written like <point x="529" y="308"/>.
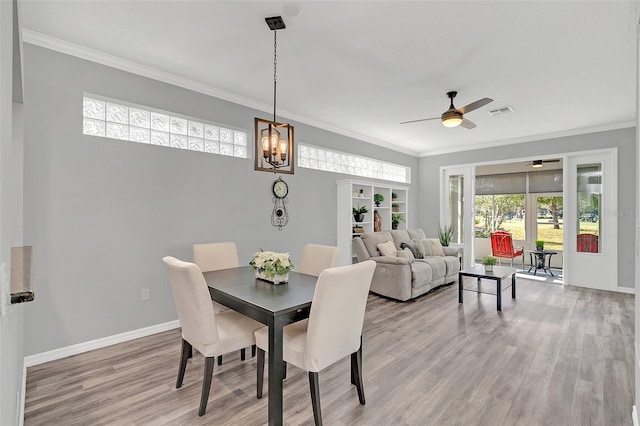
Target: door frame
<point x="468" y="170"/>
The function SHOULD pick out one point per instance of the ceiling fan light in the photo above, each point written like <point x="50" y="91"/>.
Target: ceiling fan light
<point x="451" y="118"/>
<point x="536" y="164"/>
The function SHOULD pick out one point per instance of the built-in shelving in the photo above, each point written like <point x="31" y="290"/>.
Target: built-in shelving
<point x="354" y="194"/>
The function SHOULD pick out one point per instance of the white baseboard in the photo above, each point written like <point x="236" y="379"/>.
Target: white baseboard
<point x="52" y="355"/>
<point x="634" y="416"/>
<point x="626" y="290"/>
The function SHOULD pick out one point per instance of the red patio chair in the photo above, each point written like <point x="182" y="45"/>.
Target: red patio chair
<point x="502" y="246"/>
<point x="587" y="243"/>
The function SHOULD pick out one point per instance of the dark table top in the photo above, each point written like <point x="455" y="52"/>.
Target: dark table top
<point x="542" y="251"/>
<point x="478" y="271"/>
<point x="241" y="284"/>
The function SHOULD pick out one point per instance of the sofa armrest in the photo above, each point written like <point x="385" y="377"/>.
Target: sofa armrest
<point x="391" y="260"/>
<point x="361" y="251"/>
<point x="450" y="251"/>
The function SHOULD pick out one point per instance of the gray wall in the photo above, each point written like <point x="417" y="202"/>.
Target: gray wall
<point x="102" y="213"/>
<point x="623" y="139"/>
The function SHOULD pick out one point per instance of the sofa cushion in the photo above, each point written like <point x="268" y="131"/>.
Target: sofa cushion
<point x="438" y="266"/>
<point x="414" y="249"/>
<point x="400" y="236"/>
<point x="421" y="274"/>
<point x="436" y="247"/>
<point x="423" y="245"/>
<point x="372" y="239"/>
<point x="453" y="265"/>
<point x="416" y="233"/>
<point x="406" y="253"/>
<point x="387" y="248"/>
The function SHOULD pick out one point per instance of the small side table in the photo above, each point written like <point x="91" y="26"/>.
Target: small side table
<point x="539" y="260"/>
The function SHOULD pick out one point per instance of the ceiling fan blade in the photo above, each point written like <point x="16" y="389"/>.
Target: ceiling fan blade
<point x="475" y="105"/>
<point x="467" y="124"/>
<point x="551" y="161"/>
<point x="422" y="119"/>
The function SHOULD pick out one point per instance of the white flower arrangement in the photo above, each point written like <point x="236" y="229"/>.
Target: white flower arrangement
<point x="269" y="264"/>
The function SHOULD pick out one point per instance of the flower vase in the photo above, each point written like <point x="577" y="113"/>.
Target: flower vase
<point x="276" y="279"/>
<point x="488" y="268"/>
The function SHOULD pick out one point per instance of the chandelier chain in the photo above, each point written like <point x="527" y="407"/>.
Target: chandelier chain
<point x="275" y="64"/>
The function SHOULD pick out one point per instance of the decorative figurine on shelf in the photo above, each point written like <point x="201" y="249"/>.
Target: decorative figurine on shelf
<point x="377" y="221"/>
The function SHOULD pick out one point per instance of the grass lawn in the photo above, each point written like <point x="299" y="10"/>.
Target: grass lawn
<point x="552" y="237"/>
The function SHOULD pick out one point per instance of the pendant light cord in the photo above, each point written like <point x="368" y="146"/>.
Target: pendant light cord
<point x="275" y="62"/>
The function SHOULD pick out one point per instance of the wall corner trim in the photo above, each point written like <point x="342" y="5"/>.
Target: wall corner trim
<point x="41" y="358"/>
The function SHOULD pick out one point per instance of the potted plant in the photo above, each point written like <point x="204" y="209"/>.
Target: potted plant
<point x="358" y="213"/>
<point x="395" y="220"/>
<point x="488" y="262"/>
<point x="444" y="235"/>
<point x="395" y="207"/>
<point x="378" y="198"/>
<point x="539" y="245"/>
<point x="271" y="266"/>
<point x="394" y="196"/>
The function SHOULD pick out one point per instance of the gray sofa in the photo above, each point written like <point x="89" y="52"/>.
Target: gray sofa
<point x="401" y="277"/>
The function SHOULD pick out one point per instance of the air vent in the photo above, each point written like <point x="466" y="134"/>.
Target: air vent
<point x="503" y="110"/>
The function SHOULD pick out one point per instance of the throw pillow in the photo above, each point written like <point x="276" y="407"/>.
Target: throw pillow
<point x="387" y="249"/>
<point x="406" y="253"/>
<point x="417" y="254"/>
<point x="423" y="246"/>
<point x="436" y="247"/>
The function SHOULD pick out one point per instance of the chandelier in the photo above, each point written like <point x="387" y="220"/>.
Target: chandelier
<point x="274" y="141"/>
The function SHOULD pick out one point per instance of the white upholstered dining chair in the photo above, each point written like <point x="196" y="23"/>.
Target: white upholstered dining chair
<point x="210" y="333"/>
<point x="316" y="258"/>
<point x="213" y="257"/>
<point x="332" y="331"/>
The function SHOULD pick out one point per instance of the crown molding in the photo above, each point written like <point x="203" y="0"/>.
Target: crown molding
<point x="82" y="52"/>
<point x="538" y="137"/>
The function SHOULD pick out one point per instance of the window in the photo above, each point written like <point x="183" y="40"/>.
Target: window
<point x="312" y="157"/>
<point x="589" y="207"/>
<point x="504" y="212"/>
<point x="119" y="120"/>
<point x="456" y="208"/>
<point x="500" y="204"/>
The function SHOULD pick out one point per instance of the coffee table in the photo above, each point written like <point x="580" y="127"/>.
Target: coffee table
<point x="498" y="274"/>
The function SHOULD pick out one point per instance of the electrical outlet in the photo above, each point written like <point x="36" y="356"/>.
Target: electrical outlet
<point x="144" y="294"/>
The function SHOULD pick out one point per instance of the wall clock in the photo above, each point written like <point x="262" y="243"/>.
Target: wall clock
<point x="280" y="216"/>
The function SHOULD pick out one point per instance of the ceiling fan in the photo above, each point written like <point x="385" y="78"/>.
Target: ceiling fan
<point x="454" y="117"/>
<point x="538" y="163"/>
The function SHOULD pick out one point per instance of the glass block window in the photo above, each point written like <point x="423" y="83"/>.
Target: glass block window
<point x="313" y="157"/>
<point x="119" y="120"/>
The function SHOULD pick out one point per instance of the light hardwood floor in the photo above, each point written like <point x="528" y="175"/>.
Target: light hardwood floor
<point x="554" y="356"/>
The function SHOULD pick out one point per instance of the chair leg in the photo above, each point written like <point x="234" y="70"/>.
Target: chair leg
<point x="253" y="351"/>
<point x="260" y="376"/>
<point x="219" y="359"/>
<point x="284" y="370"/>
<point x="243" y="354"/>
<point x="356" y="372"/>
<point x="209" y="362"/>
<point x="187" y="351"/>
<point x="314" y="386"/>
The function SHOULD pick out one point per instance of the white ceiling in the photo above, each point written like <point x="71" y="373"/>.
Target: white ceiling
<point x="360" y="68"/>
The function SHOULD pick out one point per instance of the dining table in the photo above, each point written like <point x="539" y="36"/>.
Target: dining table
<point x="271" y="304"/>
